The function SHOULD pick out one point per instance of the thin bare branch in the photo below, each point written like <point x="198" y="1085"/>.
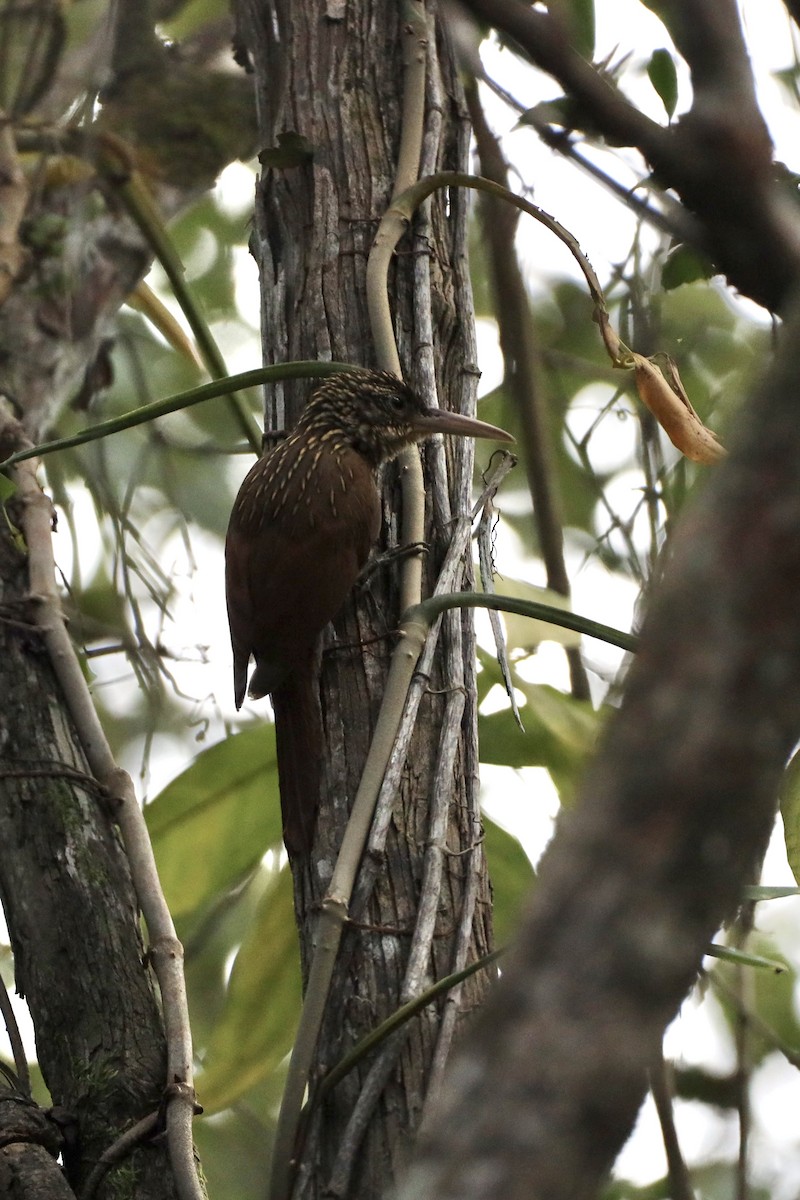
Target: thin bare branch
<point x="718" y="158"/>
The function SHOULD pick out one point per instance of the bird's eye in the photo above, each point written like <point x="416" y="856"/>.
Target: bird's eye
<point x="397" y="404"/>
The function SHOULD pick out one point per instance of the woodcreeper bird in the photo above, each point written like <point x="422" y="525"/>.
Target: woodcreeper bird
<point x="300" y="532"/>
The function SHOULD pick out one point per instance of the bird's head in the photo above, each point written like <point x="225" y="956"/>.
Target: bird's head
<point x="378" y="415"/>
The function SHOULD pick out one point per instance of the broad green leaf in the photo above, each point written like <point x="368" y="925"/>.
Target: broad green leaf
<point x="684" y="264"/>
<point x="212" y="824"/>
<point x="7" y="488"/>
<point x="257" y="1026"/>
<point x="559" y="734"/>
<point x="664" y="78"/>
<point x="512" y="876"/>
<point x="769" y="992"/>
<point x="579" y="19"/>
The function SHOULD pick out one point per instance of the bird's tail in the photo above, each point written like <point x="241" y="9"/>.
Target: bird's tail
<point x="299" y="740"/>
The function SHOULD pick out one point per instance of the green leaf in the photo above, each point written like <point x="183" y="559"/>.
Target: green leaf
<point x="684" y="264"/>
<point x="759" y="892"/>
<point x="579" y="19"/>
<point x="743" y="959"/>
<point x="512" y="876"/>
<point x="664" y="78"/>
<point x="7" y="488"/>
<point x="213" y="824"/>
<point x="259" y="1020"/>
<point x="560" y="732"/>
<point x="769" y="994"/>
<point x="562" y="110"/>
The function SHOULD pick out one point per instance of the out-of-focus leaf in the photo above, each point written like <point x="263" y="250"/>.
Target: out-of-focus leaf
<point x="759" y="892"/>
<point x="562" y="110"/>
<point x="257" y="1026"/>
<point x="578" y="17"/>
<point x="211" y="941"/>
<point x="684" y="264"/>
<point x="770" y="994"/>
<point x="512" y="876"/>
<point x="664" y="78"/>
<point x="7" y="488"/>
<point x="234" y="1149"/>
<point x="144" y="300"/>
<point x="212" y="824"/>
<point x="560" y="732"/>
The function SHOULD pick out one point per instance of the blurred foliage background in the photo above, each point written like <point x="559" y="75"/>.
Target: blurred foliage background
<point x="142" y="516"/>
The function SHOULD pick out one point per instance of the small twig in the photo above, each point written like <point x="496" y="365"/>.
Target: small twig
<point x="523" y="376"/>
<point x="15" y="1041"/>
<point x="53" y="770"/>
<point x="450" y="574"/>
<point x="743" y="984"/>
<point x="675" y="222"/>
<point x="487" y="581"/>
<point x="419" y="954"/>
<point x="661" y="1087"/>
<point x="125" y="1144"/>
<point x="464" y="937"/>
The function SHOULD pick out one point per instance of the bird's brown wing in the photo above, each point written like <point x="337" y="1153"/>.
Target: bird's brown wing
<point x="291" y="564"/>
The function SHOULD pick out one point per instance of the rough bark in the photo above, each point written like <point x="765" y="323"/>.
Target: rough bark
<point x="70" y="909"/>
<point x="333" y="74"/>
<point x="64" y="881"/>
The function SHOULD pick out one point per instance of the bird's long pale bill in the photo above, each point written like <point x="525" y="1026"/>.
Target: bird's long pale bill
<point x="437" y="420"/>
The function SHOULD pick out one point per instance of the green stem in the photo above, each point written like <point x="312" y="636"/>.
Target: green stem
<point x="395" y="1021"/>
<point x="404" y="206"/>
<point x="160" y="408"/>
<point x="428" y="610"/>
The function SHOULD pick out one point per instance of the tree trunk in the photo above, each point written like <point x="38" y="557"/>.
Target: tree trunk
<point x="64" y="881"/>
<point x="333" y="75"/>
<point x="71" y="913"/>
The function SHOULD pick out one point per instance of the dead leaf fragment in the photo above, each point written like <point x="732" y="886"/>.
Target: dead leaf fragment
<point x="674" y="413"/>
